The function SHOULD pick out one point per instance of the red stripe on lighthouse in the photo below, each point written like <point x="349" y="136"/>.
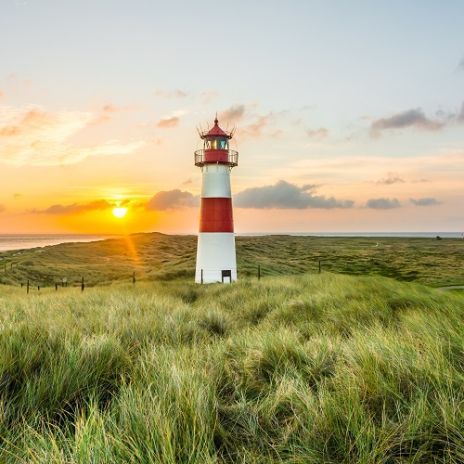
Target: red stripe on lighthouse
<point x="216" y="215"/>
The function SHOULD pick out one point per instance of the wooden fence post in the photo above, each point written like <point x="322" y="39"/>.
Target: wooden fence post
<point x="82" y="284"/>
<point x="133" y="277"/>
<point x="201" y="274"/>
<point x="259" y="272"/>
<point x="319" y="266"/>
<point x="27" y="287"/>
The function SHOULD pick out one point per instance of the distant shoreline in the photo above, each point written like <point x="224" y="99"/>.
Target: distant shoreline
<point x="12" y="242"/>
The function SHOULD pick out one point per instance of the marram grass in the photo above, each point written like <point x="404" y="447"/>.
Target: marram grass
<point x="306" y="369"/>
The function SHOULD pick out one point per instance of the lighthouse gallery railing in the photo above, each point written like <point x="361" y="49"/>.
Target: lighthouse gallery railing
<point x="201" y="157"/>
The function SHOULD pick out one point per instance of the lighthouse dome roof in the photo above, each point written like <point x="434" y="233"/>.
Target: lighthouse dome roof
<point x="216" y="131"/>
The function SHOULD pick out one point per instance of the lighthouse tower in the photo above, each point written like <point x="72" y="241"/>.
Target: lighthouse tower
<point x="216" y="260"/>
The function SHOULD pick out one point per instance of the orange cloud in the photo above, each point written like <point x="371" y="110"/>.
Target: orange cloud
<point x="76" y="208"/>
<point x="106" y="113"/>
<point x="256" y="129"/>
<point x="168" y="122"/>
<point x="171" y="93"/>
<point x="232" y="114"/>
<point x="318" y="134"/>
<point x="172" y="199"/>
<point x="32" y="136"/>
<point x="391" y="178"/>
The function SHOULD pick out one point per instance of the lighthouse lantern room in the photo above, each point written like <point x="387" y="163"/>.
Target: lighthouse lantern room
<point x="216" y="261"/>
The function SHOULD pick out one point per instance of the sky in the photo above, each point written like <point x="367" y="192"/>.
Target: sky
<point x="348" y="115"/>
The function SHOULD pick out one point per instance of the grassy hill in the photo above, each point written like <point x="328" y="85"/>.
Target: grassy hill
<point x="298" y="369"/>
<point x="164" y="257"/>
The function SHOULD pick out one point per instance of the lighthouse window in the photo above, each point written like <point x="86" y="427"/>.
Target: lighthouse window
<point x="217" y="144"/>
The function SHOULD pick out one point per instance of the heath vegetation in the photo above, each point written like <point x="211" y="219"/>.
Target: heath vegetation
<point x="164" y="257"/>
<point x="292" y="369"/>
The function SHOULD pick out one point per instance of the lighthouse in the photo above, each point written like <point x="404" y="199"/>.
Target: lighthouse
<point x="216" y="261"/>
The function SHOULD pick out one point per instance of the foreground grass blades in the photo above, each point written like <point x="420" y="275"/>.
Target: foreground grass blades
<point x="304" y="369"/>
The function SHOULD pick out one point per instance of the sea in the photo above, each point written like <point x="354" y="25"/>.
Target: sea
<point x="10" y="242"/>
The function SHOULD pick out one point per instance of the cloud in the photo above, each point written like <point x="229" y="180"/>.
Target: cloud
<point x="171" y="93"/>
<point x="383" y="203"/>
<point x="106" y="113"/>
<point x="2" y="94"/>
<point x="318" y="134"/>
<point x="461" y="65"/>
<point x="32" y="136"/>
<point x="165" y="123"/>
<point x="284" y="195"/>
<point x="74" y="208"/>
<point x="460" y="116"/>
<point x="391" y="178"/>
<point x="255" y="129"/>
<point x="232" y="114"/>
<point x="409" y="118"/>
<point x="2" y="208"/>
<point x="208" y="96"/>
<point x="171" y="199"/>
<point x="424" y="201"/>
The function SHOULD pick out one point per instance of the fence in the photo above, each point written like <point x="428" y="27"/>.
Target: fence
<point x="63" y="283"/>
<point x="29" y="284"/>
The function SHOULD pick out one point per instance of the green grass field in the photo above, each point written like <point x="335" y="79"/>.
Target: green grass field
<point x="297" y="368"/>
<point x="163" y="257"/>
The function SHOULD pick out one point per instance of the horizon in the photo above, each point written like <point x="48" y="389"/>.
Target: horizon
<point x="354" y="233"/>
<point x="98" y="129"/>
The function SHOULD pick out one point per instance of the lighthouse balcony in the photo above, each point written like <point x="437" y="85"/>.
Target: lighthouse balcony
<point x="211" y="156"/>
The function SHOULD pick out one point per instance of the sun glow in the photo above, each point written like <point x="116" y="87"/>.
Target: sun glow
<point x="119" y="212"/>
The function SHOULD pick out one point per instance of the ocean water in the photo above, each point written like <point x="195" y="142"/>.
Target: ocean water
<point x="361" y="234"/>
<point x="21" y="242"/>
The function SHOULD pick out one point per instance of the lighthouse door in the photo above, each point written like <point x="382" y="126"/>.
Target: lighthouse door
<point x="226" y="273"/>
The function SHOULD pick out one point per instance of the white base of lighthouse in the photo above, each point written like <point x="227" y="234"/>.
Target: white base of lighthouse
<point x="216" y="258"/>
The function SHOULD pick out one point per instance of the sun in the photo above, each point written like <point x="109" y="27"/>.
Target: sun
<point x="119" y="212"/>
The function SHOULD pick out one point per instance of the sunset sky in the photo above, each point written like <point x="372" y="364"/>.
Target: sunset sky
<point x="349" y="115"/>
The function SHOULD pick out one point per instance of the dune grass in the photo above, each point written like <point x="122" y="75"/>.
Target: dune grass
<point x="165" y="257"/>
<point x="300" y="369"/>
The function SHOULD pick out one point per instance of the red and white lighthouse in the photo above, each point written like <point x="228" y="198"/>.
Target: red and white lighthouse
<point x="216" y="261"/>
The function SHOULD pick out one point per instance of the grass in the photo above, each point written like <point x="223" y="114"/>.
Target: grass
<point x="164" y="257"/>
<point x="293" y="369"/>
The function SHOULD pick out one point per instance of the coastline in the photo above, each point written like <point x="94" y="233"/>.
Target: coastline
<point x="14" y="242"/>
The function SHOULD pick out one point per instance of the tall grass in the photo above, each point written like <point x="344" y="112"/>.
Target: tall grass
<point x="307" y="369"/>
